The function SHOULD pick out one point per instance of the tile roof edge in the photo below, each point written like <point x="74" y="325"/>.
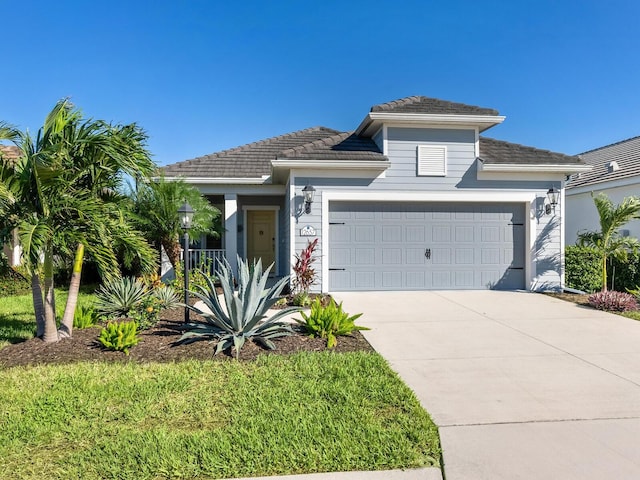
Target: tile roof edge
<point x="246" y="146"/>
<point x="315" y="143"/>
<point x="610" y="145"/>
<point x="528" y="146"/>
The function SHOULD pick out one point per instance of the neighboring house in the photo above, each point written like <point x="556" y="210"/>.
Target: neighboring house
<point x="12" y="249"/>
<point x="616" y="172"/>
<point x="412" y="199"/>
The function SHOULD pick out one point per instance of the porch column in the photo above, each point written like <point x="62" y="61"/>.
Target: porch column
<point x="231" y="229"/>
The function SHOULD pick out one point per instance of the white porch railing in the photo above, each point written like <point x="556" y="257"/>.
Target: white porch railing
<point x="205" y="259"/>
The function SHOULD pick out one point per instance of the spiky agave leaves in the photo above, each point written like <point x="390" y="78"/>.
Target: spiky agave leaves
<point x="244" y="314"/>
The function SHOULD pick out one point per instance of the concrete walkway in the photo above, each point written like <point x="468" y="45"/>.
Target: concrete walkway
<point x="522" y="386"/>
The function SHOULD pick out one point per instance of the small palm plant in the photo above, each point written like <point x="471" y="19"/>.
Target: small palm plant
<point x="245" y="315"/>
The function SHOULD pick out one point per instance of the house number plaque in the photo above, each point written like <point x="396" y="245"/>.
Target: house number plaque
<point x="307" y="231"/>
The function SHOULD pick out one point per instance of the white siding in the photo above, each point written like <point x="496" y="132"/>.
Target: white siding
<point x="581" y="213"/>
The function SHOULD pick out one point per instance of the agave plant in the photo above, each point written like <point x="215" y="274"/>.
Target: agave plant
<point x="245" y="315"/>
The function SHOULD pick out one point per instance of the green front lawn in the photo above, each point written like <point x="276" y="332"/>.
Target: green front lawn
<point x="310" y="412"/>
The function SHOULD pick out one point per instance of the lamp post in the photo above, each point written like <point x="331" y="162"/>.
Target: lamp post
<point x="185" y="213"/>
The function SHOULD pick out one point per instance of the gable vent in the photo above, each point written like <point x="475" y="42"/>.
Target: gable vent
<point x="432" y="160"/>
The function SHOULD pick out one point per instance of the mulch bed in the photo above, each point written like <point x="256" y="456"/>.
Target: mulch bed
<point x="158" y="345"/>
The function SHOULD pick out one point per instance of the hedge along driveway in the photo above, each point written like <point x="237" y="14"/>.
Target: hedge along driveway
<point x="278" y="415"/>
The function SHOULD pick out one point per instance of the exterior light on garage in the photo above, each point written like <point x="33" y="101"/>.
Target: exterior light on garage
<point x="553" y="194"/>
<point x="308" y="192"/>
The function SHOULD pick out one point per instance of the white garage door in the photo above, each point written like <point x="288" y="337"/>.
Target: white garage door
<point x="423" y="246"/>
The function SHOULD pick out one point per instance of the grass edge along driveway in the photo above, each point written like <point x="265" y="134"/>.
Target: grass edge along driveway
<point x="309" y="412"/>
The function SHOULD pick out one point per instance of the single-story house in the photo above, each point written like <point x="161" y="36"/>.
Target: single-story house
<point x="12" y="249"/>
<point x="413" y="199"/>
<point x="615" y="172"/>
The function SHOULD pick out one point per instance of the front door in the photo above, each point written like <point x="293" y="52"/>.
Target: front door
<point x="261" y="237"/>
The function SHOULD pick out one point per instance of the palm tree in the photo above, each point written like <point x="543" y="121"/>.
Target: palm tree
<point x="156" y="205"/>
<point x="608" y="241"/>
<point x="63" y="194"/>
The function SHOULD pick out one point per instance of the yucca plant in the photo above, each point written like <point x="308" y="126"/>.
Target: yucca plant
<point x="120" y="296"/>
<point x="166" y="297"/>
<point x="245" y="315"/>
<point x="120" y="336"/>
<point x="329" y="322"/>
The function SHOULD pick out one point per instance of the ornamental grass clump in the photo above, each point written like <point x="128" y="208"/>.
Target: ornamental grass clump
<point x="329" y="322"/>
<point x="244" y="315"/>
<point x="613" y="301"/>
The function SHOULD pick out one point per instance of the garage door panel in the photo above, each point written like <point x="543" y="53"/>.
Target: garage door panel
<point x="490" y="256"/>
<point x="392" y="233"/>
<point x="365" y="280"/>
<point x="414" y="233"/>
<point x="391" y="279"/>
<point x="464" y="233"/>
<point x="441" y="256"/>
<point x="392" y="256"/>
<point x="376" y="246"/>
<point x="364" y="234"/>
<point x="365" y="256"/>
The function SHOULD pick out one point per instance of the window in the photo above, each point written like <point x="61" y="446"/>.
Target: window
<point x="432" y="160"/>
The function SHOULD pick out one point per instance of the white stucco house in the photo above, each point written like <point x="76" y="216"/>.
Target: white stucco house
<point x="414" y="198"/>
<point x="616" y="172"/>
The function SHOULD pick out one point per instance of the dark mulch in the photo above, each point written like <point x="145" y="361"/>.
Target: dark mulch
<point x="158" y="345"/>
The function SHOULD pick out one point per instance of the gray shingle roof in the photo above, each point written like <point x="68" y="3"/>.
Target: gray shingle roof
<point x="625" y="153"/>
<point x="342" y="146"/>
<point x="494" y="151"/>
<point x="248" y="161"/>
<point x="420" y="104"/>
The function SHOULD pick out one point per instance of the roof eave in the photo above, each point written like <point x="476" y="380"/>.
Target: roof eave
<point x="532" y="168"/>
<point x="373" y="120"/>
<point x="281" y="167"/>
<point x="264" y="180"/>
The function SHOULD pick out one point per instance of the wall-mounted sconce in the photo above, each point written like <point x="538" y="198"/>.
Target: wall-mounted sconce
<point x="308" y="192"/>
<point x="553" y="194"/>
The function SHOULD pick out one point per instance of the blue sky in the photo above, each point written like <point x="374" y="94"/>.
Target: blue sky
<point x="201" y="76"/>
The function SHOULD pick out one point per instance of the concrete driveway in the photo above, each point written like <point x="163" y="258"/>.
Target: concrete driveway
<point x="522" y="385"/>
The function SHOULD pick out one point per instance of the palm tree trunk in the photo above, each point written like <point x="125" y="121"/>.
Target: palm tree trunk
<point x="38" y="304"/>
<point x="604" y="273"/>
<point x="172" y="247"/>
<point x="50" y="333"/>
<point x="66" y="327"/>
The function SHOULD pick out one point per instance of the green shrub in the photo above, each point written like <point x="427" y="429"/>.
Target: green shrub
<point x="12" y="282"/>
<point x="85" y="316"/>
<point x="582" y="268"/>
<point x="624" y="275"/>
<point x="120" y="336"/>
<point x="329" y="322"/>
<point x="245" y="316"/>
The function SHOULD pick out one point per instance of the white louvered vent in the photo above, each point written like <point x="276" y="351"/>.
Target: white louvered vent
<point x="432" y="160"/>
